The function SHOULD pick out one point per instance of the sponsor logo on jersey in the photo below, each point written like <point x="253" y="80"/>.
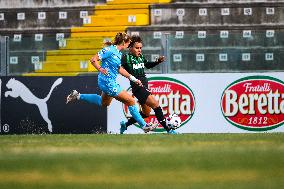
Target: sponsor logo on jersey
<point x="254" y="103"/>
<point x="138" y="66"/>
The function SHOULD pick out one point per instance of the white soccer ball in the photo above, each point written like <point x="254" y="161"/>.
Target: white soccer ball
<point x="173" y="121"/>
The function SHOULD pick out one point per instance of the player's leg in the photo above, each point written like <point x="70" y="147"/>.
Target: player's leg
<point x="100" y="100"/>
<point x="128" y="100"/>
<point x="106" y="99"/>
<point x="91" y="98"/>
<point x="131" y="120"/>
<point x="141" y="94"/>
<point x="147" y="101"/>
<point x="154" y="104"/>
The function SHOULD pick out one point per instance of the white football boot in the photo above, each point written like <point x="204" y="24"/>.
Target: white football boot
<point x="74" y="95"/>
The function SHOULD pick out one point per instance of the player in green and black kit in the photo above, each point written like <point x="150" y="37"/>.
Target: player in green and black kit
<point x="134" y="62"/>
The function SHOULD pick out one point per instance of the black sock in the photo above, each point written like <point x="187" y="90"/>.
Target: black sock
<point x="161" y="118"/>
<point x="132" y="120"/>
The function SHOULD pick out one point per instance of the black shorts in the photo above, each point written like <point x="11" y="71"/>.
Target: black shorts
<point x="141" y="93"/>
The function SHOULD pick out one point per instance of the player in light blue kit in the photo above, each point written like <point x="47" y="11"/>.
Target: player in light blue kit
<point x="110" y="57"/>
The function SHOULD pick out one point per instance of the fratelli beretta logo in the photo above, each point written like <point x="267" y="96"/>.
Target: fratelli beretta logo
<point x="174" y="97"/>
<point x="254" y="103"/>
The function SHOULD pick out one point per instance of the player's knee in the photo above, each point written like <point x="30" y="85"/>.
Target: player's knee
<point x="155" y="105"/>
<point x="145" y="114"/>
<point x="152" y="102"/>
<point x="105" y="104"/>
<point x="130" y="101"/>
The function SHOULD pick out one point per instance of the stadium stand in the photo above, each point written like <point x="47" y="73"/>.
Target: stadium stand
<point x="59" y="37"/>
<point x="37" y="26"/>
<point x="108" y="19"/>
<point x="218" y="35"/>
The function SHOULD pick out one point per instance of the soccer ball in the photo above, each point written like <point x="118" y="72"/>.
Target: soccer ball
<point x="173" y="121"/>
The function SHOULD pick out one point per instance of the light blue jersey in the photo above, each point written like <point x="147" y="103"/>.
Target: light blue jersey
<point x="111" y="61"/>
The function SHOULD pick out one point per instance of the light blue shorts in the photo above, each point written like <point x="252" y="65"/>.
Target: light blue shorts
<point x="110" y="88"/>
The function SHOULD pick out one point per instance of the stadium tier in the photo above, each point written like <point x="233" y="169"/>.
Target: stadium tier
<point x="212" y="14"/>
<point x="33" y="27"/>
<point x="47" y="17"/>
<point x="85" y="41"/>
<point x="46" y="3"/>
<point x="29" y="47"/>
<point x="204" y="35"/>
<point x="140" y="8"/>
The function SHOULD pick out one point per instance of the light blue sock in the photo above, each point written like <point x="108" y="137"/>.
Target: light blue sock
<point x="136" y="115"/>
<point x="92" y="98"/>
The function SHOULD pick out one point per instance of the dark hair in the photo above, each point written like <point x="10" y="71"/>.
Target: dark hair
<point x="119" y="39"/>
<point x="134" y="39"/>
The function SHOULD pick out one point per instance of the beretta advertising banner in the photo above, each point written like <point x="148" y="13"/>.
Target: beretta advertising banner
<point x="213" y="102"/>
<point x="38" y="105"/>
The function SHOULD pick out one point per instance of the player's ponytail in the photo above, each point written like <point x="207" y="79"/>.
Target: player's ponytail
<point x="119" y="39"/>
<point x="108" y="43"/>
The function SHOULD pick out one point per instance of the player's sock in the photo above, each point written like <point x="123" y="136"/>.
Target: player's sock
<point x="136" y="115"/>
<point x="132" y="120"/>
<point x="92" y="98"/>
<point x="161" y="118"/>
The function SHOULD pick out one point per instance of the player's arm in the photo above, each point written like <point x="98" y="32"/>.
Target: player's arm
<point x="124" y="73"/>
<point x="95" y="62"/>
<point x="159" y="60"/>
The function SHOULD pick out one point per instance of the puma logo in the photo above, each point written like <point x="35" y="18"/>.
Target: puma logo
<point x="18" y="89"/>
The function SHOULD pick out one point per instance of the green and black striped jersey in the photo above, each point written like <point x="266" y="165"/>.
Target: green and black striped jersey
<point x="136" y="65"/>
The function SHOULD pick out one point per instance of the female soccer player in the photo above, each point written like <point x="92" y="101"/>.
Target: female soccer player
<point x="134" y="63"/>
<point x="110" y="57"/>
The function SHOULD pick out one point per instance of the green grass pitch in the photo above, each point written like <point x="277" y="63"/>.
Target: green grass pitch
<point x="100" y="161"/>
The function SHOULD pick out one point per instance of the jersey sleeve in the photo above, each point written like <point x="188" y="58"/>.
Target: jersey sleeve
<point x="104" y="53"/>
<point x="124" y="60"/>
<point x="148" y="64"/>
<point x="124" y="63"/>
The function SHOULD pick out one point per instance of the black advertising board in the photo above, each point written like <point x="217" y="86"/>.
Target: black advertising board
<point x="34" y="105"/>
